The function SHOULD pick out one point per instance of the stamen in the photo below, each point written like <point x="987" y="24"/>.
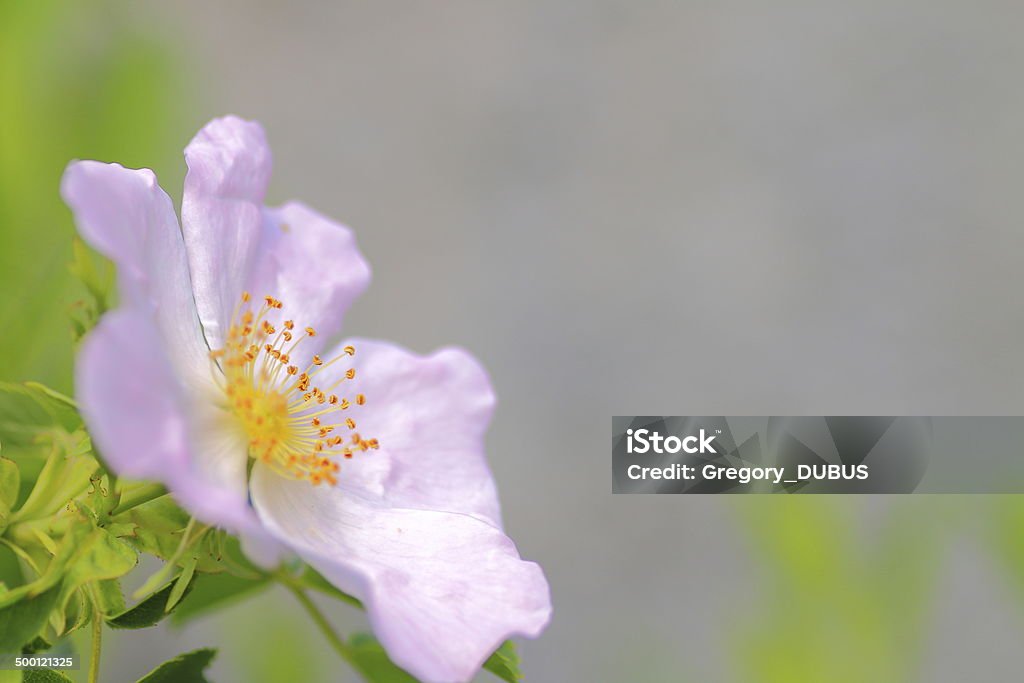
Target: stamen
<point x="273" y="399"/>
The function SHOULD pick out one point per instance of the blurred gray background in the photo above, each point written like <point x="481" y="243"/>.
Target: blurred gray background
<point x="658" y="208"/>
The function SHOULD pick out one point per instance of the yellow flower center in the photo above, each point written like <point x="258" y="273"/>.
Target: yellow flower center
<point x="291" y="424"/>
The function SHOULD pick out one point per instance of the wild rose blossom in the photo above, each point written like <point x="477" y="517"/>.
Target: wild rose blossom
<point x="363" y="459"/>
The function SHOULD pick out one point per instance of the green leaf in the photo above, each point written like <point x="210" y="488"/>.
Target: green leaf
<point x="504" y="663"/>
<point x="66" y="474"/>
<point x="186" y="668"/>
<point x="213" y="591"/>
<point x="86" y="265"/>
<point x="100" y="556"/>
<point x="147" y="613"/>
<point x="369" y="659"/>
<point x="184" y="580"/>
<point x="11" y="575"/>
<point x="109" y="596"/>
<point x="10" y="480"/>
<point x="39" y="644"/>
<point x="159" y="525"/>
<point x="62" y="404"/>
<point x="311" y="578"/>
<point x="21" y="621"/>
<point x="44" y="676"/>
<point x="27" y="411"/>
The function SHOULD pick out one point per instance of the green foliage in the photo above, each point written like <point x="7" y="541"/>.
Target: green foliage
<point x="10" y="480"/>
<point x="835" y="606"/>
<point x="504" y="663"/>
<point x="215" y="591"/>
<point x="44" y="676"/>
<point x="369" y="659"/>
<point x="149" y="612"/>
<point x="99" y="557"/>
<point x="186" y="668"/>
<point x="23" y="619"/>
<point x="64" y="94"/>
<point x="28" y="411"/>
<point x="311" y="578"/>
<point x="158" y="527"/>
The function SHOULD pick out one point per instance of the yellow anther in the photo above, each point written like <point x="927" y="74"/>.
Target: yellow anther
<point x="282" y="427"/>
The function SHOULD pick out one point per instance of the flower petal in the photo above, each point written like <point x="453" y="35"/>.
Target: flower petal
<point x="313" y="265"/>
<point x="429" y="415"/>
<point x="125" y="215"/>
<point x="442" y="590"/>
<point x="136" y="412"/>
<point x="229" y="166"/>
<point x="234" y="244"/>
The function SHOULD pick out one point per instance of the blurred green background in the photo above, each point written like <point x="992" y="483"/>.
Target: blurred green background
<point x="507" y="169"/>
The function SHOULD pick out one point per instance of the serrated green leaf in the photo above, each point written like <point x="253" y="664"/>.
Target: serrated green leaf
<point x="504" y="663"/>
<point x="186" y="668"/>
<point x="22" y="620"/>
<point x="213" y="591"/>
<point x="147" y="613"/>
<point x="311" y="578"/>
<point x="369" y="659"/>
<point x="159" y="526"/>
<point x="44" y="676"/>
<point x="99" y="556"/>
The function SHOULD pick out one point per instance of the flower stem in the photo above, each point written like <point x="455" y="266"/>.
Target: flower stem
<point x="138" y="496"/>
<point x="340" y="646"/>
<point x="97" y="643"/>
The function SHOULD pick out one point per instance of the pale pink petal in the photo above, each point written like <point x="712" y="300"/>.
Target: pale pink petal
<point x="235" y="244"/>
<point x="138" y="416"/>
<point x="313" y="265"/>
<point x="443" y="590"/>
<point x="430" y="415"/>
<point x="221" y="214"/>
<point x="125" y="215"/>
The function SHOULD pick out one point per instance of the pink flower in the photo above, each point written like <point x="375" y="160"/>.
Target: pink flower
<point x="368" y="461"/>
